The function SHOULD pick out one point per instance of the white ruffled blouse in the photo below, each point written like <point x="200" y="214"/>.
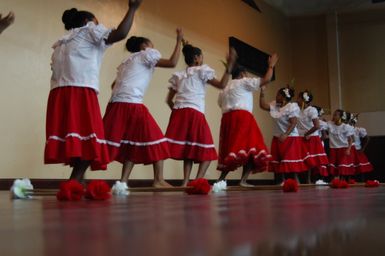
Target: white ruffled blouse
<point x="282" y="115"/>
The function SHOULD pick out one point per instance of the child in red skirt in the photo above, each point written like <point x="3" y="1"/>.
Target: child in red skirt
<point x="308" y="129"/>
<point x="74" y="126"/>
<point x="240" y="141"/>
<point x="361" y="140"/>
<point x="188" y="133"/>
<point x="287" y="148"/>
<point x="342" y="154"/>
<point x="132" y="134"/>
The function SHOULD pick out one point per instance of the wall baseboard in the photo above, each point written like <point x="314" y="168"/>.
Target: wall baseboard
<point x="5" y="184"/>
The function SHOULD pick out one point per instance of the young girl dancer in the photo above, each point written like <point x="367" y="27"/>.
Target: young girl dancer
<point x="287" y="148"/>
<point x="361" y="140"/>
<point x="308" y="128"/>
<point x="342" y="154"/>
<point x="240" y="141"/>
<point x="74" y="127"/>
<point x="188" y="133"/>
<point x="132" y="134"/>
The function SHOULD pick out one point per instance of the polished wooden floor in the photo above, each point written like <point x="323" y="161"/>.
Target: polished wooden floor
<point x="310" y="222"/>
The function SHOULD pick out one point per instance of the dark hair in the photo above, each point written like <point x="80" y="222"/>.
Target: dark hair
<point x="190" y="52"/>
<point x="237" y="70"/>
<point x="283" y="94"/>
<point x="133" y="43"/>
<point x="72" y="18"/>
<point x="348" y="117"/>
<point x="301" y="94"/>
<point x="319" y="110"/>
<point x="341" y="113"/>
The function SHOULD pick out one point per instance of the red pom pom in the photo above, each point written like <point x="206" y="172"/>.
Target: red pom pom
<point x="290" y="185"/>
<point x="70" y="190"/>
<point x="199" y="187"/>
<point x="98" y="190"/>
<point x="352" y="181"/>
<point x="372" y="183"/>
<point x="337" y="183"/>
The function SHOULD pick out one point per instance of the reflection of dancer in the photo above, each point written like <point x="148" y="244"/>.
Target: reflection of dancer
<point x="308" y="128"/>
<point x="132" y="134"/>
<point x="361" y="140"/>
<point x="74" y="126"/>
<point x="6" y="21"/>
<point x="287" y="149"/>
<point x="188" y="132"/>
<point x="241" y="142"/>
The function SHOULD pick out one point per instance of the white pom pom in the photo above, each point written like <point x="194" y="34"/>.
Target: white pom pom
<point x="219" y="186"/>
<point x="19" y="189"/>
<point x="120" y="189"/>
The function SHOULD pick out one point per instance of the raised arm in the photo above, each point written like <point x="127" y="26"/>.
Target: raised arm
<point x="170" y="98"/>
<point x="173" y="60"/>
<point x="270" y="70"/>
<point x="231" y="58"/>
<point x="125" y="25"/>
<point x="6" y="21"/>
<point x="292" y="124"/>
<point x="262" y="101"/>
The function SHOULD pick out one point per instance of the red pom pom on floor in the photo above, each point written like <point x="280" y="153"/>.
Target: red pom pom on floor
<point x="98" y="190"/>
<point x="372" y="183"/>
<point x="337" y="183"/>
<point x="199" y="186"/>
<point x="290" y="185"/>
<point x="70" y="190"/>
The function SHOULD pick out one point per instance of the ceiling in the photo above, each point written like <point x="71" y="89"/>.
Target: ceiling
<point x="317" y="7"/>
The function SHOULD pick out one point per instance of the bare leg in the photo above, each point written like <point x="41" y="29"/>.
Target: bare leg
<point x="159" y="181"/>
<point x="223" y="175"/>
<point x="187" y="166"/>
<point x="80" y="167"/>
<point x="126" y="170"/>
<point x="203" y="166"/>
<point x="245" y="174"/>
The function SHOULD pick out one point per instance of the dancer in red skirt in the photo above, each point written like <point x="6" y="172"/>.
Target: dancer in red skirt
<point x="132" y="135"/>
<point x="342" y="154"/>
<point x="308" y="129"/>
<point x="240" y="141"/>
<point x="74" y="127"/>
<point x="188" y="133"/>
<point x="287" y="148"/>
<point x="361" y="140"/>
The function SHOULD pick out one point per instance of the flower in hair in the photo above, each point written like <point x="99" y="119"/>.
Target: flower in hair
<point x="306" y="96"/>
<point x="321" y="112"/>
<point x="344" y="115"/>
<point x="287" y="92"/>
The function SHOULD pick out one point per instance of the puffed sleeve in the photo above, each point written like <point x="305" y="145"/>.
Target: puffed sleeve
<point x="206" y="73"/>
<point x="98" y="33"/>
<point x="151" y="57"/>
<point x="252" y="84"/>
<point x="174" y="80"/>
<point x="313" y="113"/>
<point x="362" y="132"/>
<point x="292" y="110"/>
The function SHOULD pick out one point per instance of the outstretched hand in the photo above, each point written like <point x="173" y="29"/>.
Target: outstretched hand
<point x="231" y="58"/>
<point x="134" y="3"/>
<point x="273" y="59"/>
<point x="6" y="21"/>
<point x="179" y="35"/>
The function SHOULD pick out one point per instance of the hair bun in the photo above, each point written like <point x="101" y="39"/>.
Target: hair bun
<point x="69" y="17"/>
<point x="188" y="48"/>
<point x="132" y="44"/>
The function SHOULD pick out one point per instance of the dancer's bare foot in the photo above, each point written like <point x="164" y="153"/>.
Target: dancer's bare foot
<point x="245" y="184"/>
<point x="161" y="184"/>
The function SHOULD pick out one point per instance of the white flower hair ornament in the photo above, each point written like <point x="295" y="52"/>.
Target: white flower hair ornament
<point x="306" y="96"/>
<point x="287" y="93"/>
<point x="344" y="116"/>
<point x="321" y="112"/>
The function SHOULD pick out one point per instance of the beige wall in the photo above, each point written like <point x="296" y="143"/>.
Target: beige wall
<point x="310" y="59"/>
<point x="25" y="51"/>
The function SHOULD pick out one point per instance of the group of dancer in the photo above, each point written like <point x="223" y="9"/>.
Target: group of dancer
<point x="77" y="135"/>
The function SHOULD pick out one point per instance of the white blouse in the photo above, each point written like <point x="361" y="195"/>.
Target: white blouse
<point x="77" y="57"/>
<point x="359" y="132"/>
<point x="238" y="94"/>
<point x="134" y="76"/>
<point x="305" y="121"/>
<point x="282" y="115"/>
<point x="339" y="134"/>
<point x="190" y="86"/>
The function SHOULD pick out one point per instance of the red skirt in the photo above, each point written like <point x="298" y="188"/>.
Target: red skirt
<point x="318" y="160"/>
<point x="362" y="163"/>
<point x="133" y="135"/>
<point x="189" y="136"/>
<point x="74" y="128"/>
<point x="290" y="156"/>
<point x="340" y="163"/>
<point x="241" y="141"/>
